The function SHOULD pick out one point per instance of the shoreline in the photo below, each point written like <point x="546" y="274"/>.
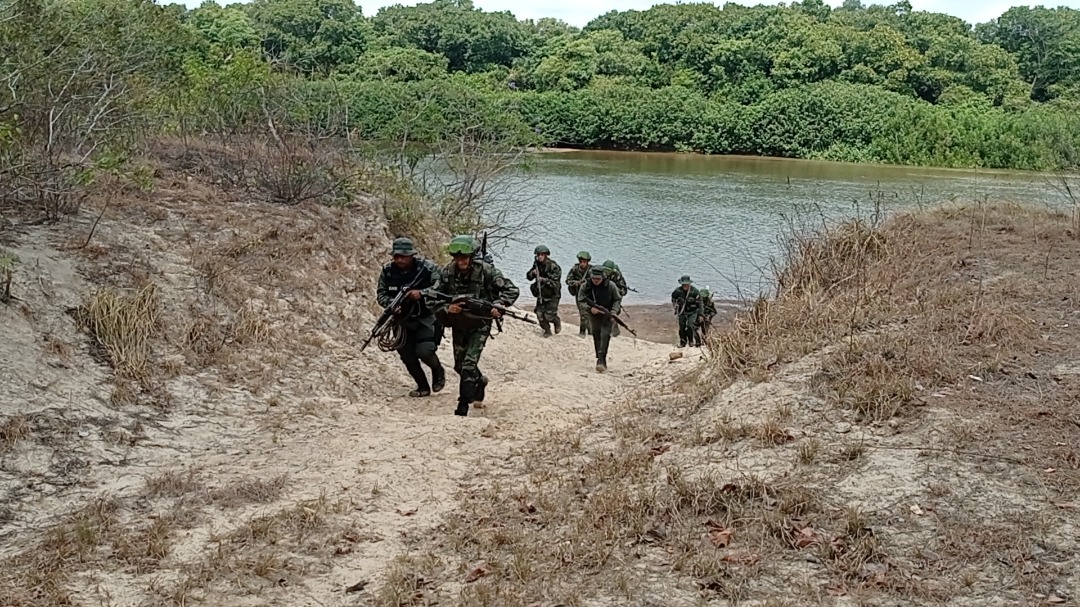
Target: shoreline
<point x="653" y="322"/>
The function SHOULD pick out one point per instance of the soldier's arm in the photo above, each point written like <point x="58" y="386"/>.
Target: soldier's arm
<point x="555" y="274"/>
<point x="434" y="280"/>
<point x="506" y="292"/>
<point x="616" y="300"/>
<point x="438" y="305"/>
<point x="382" y="292"/>
<point x="531" y="274"/>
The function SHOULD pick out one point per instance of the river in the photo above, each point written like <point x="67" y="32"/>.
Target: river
<point x="718" y="218"/>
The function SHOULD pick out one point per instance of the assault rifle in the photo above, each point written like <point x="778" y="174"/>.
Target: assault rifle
<point x="481" y="310"/>
<point x="387" y="318"/>
<point x="605" y="312"/>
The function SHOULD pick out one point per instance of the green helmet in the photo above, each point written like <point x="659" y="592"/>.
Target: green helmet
<point x="704" y="292"/>
<point x="462" y="245"/>
<point x="584" y="255"/>
<point x="685" y="280"/>
<point x="610" y="265"/>
<point x="541" y="249"/>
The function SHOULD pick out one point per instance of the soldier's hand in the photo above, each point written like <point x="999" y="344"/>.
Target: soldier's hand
<point x="495" y="313"/>
<point x="594" y="310"/>
<point x="454" y="308"/>
<point x="397" y="310"/>
<point x="414" y="294"/>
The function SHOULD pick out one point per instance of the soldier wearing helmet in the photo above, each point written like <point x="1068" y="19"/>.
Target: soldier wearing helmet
<point x="468" y="275"/>
<point x="708" y="312"/>
<point x="574" y="279"/>
<point x="612" y="272"/>
<point x="546" y="289"/>
<point x="596" y="293"/>
<point x="416" y="318"/>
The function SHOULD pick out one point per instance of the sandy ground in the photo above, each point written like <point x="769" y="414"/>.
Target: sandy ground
<point x="336" y="429"/>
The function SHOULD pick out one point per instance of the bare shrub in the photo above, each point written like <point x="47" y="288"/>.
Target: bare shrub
<point x="123" y="325"/>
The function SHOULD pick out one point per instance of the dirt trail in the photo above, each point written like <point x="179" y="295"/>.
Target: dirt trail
<point x="227" y="466"/>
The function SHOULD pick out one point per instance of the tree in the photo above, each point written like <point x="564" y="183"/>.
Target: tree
<point x="311" y="36"/>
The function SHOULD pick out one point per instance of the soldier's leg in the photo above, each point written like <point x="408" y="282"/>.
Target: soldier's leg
<point x="595" y="321"/>
<point x="541" y="315"/>
<point x="472" y="381"/>
<point x="585" y="324"/>
<point x="605" y="341"/>
<point x="692" y="327"/>
<point x="408" y="354"/>
<point x="460" y="338"/>
<point x="556" y="322"/>
<point x="683" y="335"/>
<point x="615" y="329"/>
<point x="426" y="351"/>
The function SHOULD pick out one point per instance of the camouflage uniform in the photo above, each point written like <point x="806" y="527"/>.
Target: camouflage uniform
<point x="708" y="312"/>
<point x="574" y="279"/>
<point x="416" y="318"/>
<point x="546" y="290"/>
<point x="482" y="281"/>
<point x="687" y="306"/>
<point x="611" y="270"/>
<point x="606" y="295"/>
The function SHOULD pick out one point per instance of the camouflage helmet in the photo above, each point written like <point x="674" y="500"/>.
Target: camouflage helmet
<point x="541" y="249"/>
<point x="610" y="265"/>
<point x="705" y="292"/>
<point x="584" y="255"/>
<point x="403" y="246"/>
<point x="685" y="280"/>
<point x="462" y="245"/>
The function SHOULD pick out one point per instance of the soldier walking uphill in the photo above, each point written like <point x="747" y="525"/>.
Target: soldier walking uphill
<point x="604" y="301"/>
<point x="708" y="312"/>
<point x="482" y="280"/>
<point x="686" y="302"/>
<point x="574" y="279"/>
<point x="547" y="289"/>
<point x="417" y="320"/>
<point x="611" y="270"/>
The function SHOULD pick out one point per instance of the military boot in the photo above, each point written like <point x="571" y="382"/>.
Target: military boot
<point x="481" y="391"/>
<point x="558" y="325"/>
<point x="546" y="327"/>
<point x="601" y="365"/>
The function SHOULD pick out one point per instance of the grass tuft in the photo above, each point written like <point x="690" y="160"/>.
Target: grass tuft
<point x="123" y="325"/>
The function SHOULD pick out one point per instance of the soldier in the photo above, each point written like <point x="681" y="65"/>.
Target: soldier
<point x="611" y="270"/>
<point x="466" y="275"/>
<point x="600" y="291"/>
<point x="574" y="279"/>
<point x="546" y="289"/>
<point x="708" y="312"/>
<point x="416" y="318"/>
<point x="686" y="303"/>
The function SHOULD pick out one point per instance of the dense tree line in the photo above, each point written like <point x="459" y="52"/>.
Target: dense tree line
<point x="859" y="83"/>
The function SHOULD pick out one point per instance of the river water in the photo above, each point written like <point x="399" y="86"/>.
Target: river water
<point x="718" y="218"/>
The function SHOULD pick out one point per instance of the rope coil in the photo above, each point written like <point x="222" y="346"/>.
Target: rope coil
<point x="392" y="338"/>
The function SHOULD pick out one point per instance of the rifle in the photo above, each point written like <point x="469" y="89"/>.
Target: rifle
<point x="605" y="312"/>
<point x="481" y="310"/>
<point x="387" y="319"/>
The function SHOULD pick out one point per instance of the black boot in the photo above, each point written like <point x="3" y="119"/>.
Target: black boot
<point x="481" y="390"/>
<point x="601" y="365"/>
<point x="558" y="325"/>
<point x="462" y="408"/>
<point x="466" y="393"/>
<point x="546" y="327"/>
<point x="412" y="365"/>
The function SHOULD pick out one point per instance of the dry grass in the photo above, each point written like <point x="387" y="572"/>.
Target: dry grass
<point x="123" y="326"/>
<point x="13" y="429"/>
<point x="967" y="309"/>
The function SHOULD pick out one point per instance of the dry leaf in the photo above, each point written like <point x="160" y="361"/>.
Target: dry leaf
<point x="742" y="558"/>
<point x="1066" y="505"/>
<point x="407" y="511"/>
<point x="719" y="535"/>
<point x="659" y="450"/>
<point x="837" y="590"/>
<point x="478" y="571"/>
<point x="1054" y="599"/>
<point x="805" y="537"/>
<point x="916" y="510"/>
<point x="1050" y="470"/>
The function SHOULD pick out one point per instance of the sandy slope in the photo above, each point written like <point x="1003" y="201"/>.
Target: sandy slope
<point x="323" y="423"/>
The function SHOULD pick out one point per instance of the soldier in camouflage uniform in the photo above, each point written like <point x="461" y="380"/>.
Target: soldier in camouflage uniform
<point x="600" y="291"/>
<point x="547" y="289"/>
<point x="416" y="318"/>
<point x="574" y="279"/>
<point x="708" y="312"/>
<point x="466" y="275"/>
<point x="686" y="303"/>
<point x="611" y="271"/>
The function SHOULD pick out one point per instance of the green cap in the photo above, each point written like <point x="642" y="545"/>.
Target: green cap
<point x="704" y="292"/>
<point x="462" y="245"/>
<point x="584" y="255"/>
<point x="685" y="280"/>
<point x="541" y="249"/>
<point x="596" y="271"/>
<point x="610" y="265"/>
<point x="403" y="246"/>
